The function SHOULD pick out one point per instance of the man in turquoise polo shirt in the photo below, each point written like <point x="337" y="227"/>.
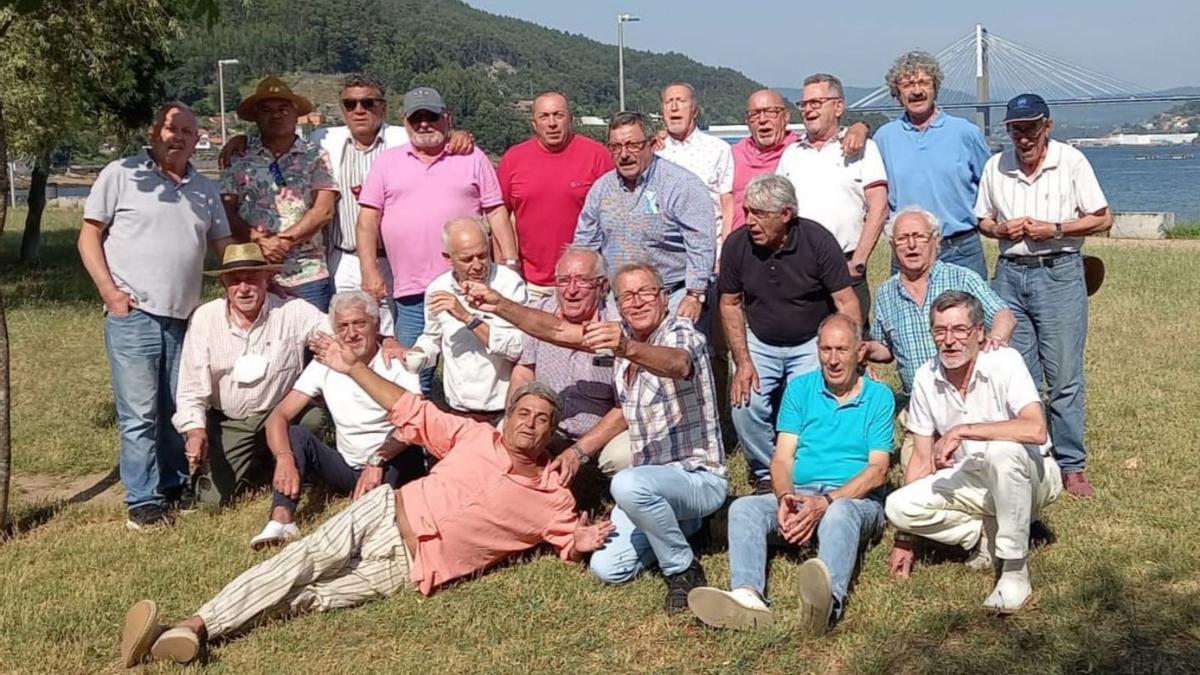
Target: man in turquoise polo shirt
<point x="831" y="459"/>
<point x="934" y="160"/>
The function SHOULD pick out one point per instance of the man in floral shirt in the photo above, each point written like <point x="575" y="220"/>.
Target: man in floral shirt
<point x="281" y="193"/>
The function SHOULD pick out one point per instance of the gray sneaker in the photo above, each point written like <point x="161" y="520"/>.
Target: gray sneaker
<point x="816" y="597"/>
<point x="146" y="515"/>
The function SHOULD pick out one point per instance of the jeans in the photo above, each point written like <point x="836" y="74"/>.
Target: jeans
<point x="848" y="526"/>
<point x="317" y="293"/>
<point x="314" y="459"/>
<point x="409" y="313"/>
<point x="705" y="323"/>
<point x="143" y="351"/>
<point x="755" y="421"/>
<point x="1051" y="307"/>
<point x="657" y="507"/>
<point x="962" y="249"/>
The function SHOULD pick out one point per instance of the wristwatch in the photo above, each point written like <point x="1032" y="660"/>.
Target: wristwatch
<point x="860" y="268"/>
<point x="584" y="458"/>
<point x="1058" y="230"/>
<point x="697" y="295"/>
<point x="511" y="263"/>
<point x="474" y="323"/>
<point x="376" y="460"/>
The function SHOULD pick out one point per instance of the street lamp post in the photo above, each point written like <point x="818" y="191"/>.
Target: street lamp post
<point x="221" y="85"/>
<point x="622" y="19"/>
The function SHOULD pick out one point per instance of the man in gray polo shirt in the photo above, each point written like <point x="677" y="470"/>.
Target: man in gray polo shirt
<point x="146" y="226"/>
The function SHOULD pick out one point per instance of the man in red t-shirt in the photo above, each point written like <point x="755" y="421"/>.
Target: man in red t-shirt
<point x="545" y="180"/>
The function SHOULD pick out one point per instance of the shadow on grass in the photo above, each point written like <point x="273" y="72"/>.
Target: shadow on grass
<point x="41" y="514"/>
<point x="57" y="279"/>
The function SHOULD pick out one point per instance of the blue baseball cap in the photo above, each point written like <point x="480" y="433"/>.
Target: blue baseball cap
<point x="1026" y="108"/>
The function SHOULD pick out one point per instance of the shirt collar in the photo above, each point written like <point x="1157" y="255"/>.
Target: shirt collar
<point x="687" y="139"/>
<point x="374" y="144"/>
<point x="791" y="240"/>
<point x="977" y="374"/>
<point x="806" y="142"/>
<point x="1010" y="165"/>
<point x="641" y="180"/>
<point x="254" y="145"/>
<point x="857" y="400"/>
<point x="270" y="303"/>
<point x="939" y="119"/>
<point x="147" y="161"/>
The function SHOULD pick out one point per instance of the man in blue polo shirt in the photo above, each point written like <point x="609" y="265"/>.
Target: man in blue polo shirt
<point x="934" y="160"/>
<point x="831" y="459"/>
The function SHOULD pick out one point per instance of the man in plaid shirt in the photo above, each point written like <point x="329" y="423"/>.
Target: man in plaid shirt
<point x="665" y="387"/>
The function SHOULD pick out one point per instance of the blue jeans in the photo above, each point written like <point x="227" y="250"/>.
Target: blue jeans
<point x="409" y="312"/>
<point x="755" y="421"/>
<point x="705" y="323"/>
<point x="1051" y="307"/>
<point x="964" y="251"/>
<point x="143" y="352"/>
<point x="317" y="293"/>
<point x="843" y="534"/>
<point x="658" y="506"/>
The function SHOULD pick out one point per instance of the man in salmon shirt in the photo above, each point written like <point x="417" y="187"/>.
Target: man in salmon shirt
<point x="490" y="497"/>
<point x="545" y="180"/>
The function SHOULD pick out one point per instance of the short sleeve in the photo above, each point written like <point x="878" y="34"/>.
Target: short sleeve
<point x="920" y="407"/>
<point x="490" y="194"/>
<point x="374" y="192"/>
<point x="725" y="170"/>
<point x="683" y="335"/>
<point x="880" y="429"/>
<point x="229" y="179"/>
<point x="831" y="262"/>
<point x="529" y="351"/>
<point x="992" y="303"/>
<point x="312" y="380"/>
<point x="979" y="151"/>
<point x="1089" y="198"/>
<point x="872" y="169"/>
<point x="322" y="172"/>
<point x="101" y="204"/>
<point x="729" y="280"/>
<point x="504" y="174"/>
<point x="791" y="408"/>
<point x="218" y="224"/>
<point x="984" y="207"/>
<point x="1020" y="390"/>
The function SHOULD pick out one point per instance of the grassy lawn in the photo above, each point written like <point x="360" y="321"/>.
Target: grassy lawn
<point x="1189" y="231"/>
<point x="1118" y="592"/>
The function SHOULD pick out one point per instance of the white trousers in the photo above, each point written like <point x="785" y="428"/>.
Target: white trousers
<point x="616" y="455"/>
<point x="1007" y="481"/>
<point x="347" y="276"/>
<point x="355" y="556"/>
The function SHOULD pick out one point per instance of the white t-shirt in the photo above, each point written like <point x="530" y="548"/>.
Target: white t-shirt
<point x="709" y="158"/>
<point x="1063" y="189"/>
<point x="999" y="388"/>
<point x="362" y="425"/>
<point x="830" y="188"/>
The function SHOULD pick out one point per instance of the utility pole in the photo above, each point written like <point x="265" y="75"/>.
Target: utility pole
<point x="983" y="115"/>
<point x="622" y="19"/>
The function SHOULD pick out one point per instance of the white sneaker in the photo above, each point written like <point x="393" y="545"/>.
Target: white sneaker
<point x="740" y="609"/>
<point x="816" y="597"/>
<point x="274" y="534"/>
<point x="1012" y="591"/>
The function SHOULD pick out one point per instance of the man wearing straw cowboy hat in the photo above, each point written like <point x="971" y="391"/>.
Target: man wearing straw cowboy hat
<point x="281" y="193"/>
<point x="241" y="356"/>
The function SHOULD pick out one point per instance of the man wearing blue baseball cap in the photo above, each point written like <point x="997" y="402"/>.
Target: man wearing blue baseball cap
<point x="1039" y="200"/>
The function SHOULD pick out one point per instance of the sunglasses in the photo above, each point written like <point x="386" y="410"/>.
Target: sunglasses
<point x="277" y="175"/>
<point x="367" y="104"/>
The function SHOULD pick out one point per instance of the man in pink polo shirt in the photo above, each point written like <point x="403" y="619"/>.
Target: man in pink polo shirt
<point x="411" y="192"/>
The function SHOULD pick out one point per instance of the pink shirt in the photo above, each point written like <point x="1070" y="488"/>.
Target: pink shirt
<point x="750" y="161"/>
<point x="470" y="513"/>
<point x="417" y="199"/>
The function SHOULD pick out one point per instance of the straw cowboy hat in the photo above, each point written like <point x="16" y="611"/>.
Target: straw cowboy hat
<point x="272" y="87"/>
<point x="240" y="257"/>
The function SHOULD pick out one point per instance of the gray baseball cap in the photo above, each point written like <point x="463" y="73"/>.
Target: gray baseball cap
<point x="423" y="98"/>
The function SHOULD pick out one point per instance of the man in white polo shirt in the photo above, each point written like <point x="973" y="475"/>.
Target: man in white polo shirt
<point x="848" y="195"/>
<point x="980" y="469"/>
<point x="710" y="158"/>
<point x="1040" y="199"/>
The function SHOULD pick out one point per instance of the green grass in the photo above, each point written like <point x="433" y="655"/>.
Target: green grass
<point x="1188" y="231"/>
<point x="1119" y="592"/>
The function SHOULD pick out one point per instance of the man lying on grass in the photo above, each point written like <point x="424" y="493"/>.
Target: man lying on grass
<point x="489" y="497"/>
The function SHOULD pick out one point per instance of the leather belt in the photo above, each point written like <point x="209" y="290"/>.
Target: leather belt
<point x="1046" y="260"/>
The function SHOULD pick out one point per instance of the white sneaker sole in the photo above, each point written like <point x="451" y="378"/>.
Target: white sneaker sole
<point x="816" y="597"/>
<point x="717" y="609"/>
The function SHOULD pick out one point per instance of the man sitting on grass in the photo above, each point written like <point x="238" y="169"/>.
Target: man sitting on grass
<point x="364" y="457"/>
<point x="485" y="501"/>
<point x="830" y="463"/>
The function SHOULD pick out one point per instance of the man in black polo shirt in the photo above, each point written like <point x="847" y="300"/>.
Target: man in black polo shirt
<point x="780" y="277"/>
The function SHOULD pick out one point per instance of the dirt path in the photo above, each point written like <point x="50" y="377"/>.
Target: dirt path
<point x="98" y="488"/>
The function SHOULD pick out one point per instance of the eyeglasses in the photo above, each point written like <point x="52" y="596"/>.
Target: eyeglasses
<point x="817" y="102"/>
<point x="1025" y="130"/>
<point x="641" y="296"/>
<point x="768" y="113"/>
<point x="277" y="174"/>
<point x="629" y="146"/>
<point x="958" y="332"/>
<point x="367" y="104"/>
<point x="582" y="282"/>
<point x="913" y="239"/>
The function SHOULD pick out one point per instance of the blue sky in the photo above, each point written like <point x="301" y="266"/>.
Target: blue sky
<point x="778" y="42"/>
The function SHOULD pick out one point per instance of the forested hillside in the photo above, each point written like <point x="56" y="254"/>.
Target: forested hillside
<point x="483" y="63"/>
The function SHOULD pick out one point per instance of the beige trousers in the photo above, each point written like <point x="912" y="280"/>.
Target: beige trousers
<point x="1006" y="481"/>
<point x="355" y="556"/>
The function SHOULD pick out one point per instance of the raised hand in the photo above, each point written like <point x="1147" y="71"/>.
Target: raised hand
<point x="331" y="352"/>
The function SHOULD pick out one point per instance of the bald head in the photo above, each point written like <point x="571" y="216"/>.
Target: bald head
<point x="768" y="115"/>
<point x="552" y="123"/>
<point x="467" y="249"/>
<point x="843" y="324"/>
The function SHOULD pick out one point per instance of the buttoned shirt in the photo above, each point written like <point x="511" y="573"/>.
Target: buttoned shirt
<point x="355" y="165"/>
<point x="831" y="188"/>
<point x="673" y="420"/>
<point x="665" y="219"/>
<point x="749" y="162"/>
<point x="902" y="324"/>
<point x="710" y="158"/>
<point x="157" y="232"/>
<point x="471" y="511"/>
<point x="276" y="200"/>
<point x="937" y="168"/>
<point x="999" y="387"/>
<point x="213" y="344"/>
<point x="1064" y="188"/>
<point x="475" y="375"/>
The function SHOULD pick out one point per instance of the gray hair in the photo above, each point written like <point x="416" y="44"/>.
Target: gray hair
<point x="771" y="193"/>
<point x="952" y="299"/>
<point x="639" y="266"/>
<point x="846" y="321"/>
<point x="825" y="78"/>
<point x="911" y="63"/>
<point x="450" y="226"/>
<point x="347" y="299"/>
<point x="535" y="388"/>
<point x="160" y="115"/>
<point x="626" y="118"/>
<point x="600" y="267"/>
<point x="365" y="82"/>
<point x="935" y="223"/>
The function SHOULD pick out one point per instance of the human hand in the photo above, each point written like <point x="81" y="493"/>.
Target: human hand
<point x="287" y="478"/>
<point x="460" y="143"/>
<point x="811" y="510"/>
<point x="275" y="249"/>
<point x="331" y="352"/>
<point x="119" y="303"/>
<point x="945" y="447"/>
<point x="689" y="308"/>
<point x="852" y="268"/>
<point x="591" y="536"/>
<point x="855" y="139"/>
<point x="598" y="335"/>
<point x="1010" y="229"/>
<point x="900" y="561"/>
<point x="659" y="140"/>
<point x="373" y="285"/>
<point x="443" y="301"/>
<point x="567" y="464"/>
<point x="233" y="149"/>
<point x="788" y="511"/>
<point x="743" y="382"/>
<point x="370" y="478"/>
<point x="392" y="351"/>
<point x="195" y="446"/>
<point x="1038" y="230"/>
<point x="993" y="343"/>
<point x="481" y="297"/>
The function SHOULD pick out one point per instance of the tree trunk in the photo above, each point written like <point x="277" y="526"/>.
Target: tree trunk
<point x="3" y="172"/>
<point x="5" y="430"/>
<point x="31" y="241"/>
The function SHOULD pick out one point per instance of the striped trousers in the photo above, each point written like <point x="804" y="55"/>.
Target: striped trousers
<point x="355" y="556"/>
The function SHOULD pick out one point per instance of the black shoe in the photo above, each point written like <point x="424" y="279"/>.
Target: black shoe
<point x="679" y="585"/>
<point x="182" y="501"/>
<point x="146" y="515"/>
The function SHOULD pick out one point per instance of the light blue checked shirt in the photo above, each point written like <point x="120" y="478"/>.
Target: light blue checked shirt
<point x="666" y="220"/>
<point x="673" y="421"/>
<point x="903" y="326"/>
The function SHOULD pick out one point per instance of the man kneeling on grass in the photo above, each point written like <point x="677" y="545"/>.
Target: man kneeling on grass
<point x="366" y="456"/>
<point x="830" y="463"/>
<point x="485" y="501"/>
